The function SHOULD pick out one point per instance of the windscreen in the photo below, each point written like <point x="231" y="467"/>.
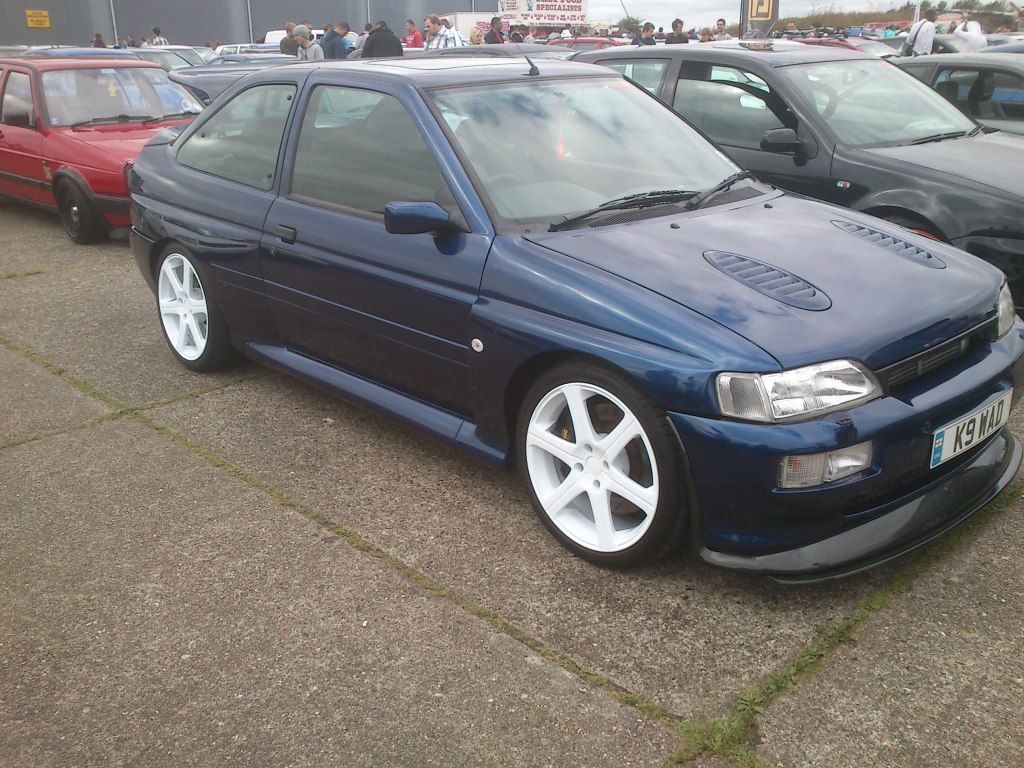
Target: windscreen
<point x="115" y="93"/>
<point x="550" y="148"/>
<point x="874" y="104"/>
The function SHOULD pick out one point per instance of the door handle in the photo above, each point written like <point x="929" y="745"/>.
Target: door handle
<point x="287" y="234"/>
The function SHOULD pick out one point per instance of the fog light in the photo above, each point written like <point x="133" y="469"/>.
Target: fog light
<point x="821" y="468"/>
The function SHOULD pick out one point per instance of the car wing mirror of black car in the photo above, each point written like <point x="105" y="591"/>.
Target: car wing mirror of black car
<point x="419" y="219"/>
<point x="783" y="141"/>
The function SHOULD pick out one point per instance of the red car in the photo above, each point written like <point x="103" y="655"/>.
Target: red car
<point x="70" y="129"/>
<point x="588" y="43"/>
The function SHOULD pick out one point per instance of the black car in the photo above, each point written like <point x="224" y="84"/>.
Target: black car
<point x="850" y="129"/>
<point x="988" y="87"/>
<point x="208" y="82"/>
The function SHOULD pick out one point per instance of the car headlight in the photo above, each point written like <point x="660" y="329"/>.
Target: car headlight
<point x="801" y="392"/>
<point x="1007" y="312"/>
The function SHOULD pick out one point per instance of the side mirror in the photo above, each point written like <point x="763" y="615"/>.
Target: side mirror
<point x="781" y="140"/>
<point x="417" y="219"/>
<point x="19" y="120"/>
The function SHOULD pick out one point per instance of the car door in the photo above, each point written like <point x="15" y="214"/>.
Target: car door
<point x="22" y="173"/>
<point x="229" y="163"/>
<point x="391" y="308"/>
<point x="736" y="108"/>
<point x="994" y="97"/>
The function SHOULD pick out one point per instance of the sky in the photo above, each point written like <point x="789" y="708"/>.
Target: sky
<point x="702" y="13"/>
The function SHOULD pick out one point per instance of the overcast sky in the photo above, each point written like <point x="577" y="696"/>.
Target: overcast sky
<point x="702" y="13"/>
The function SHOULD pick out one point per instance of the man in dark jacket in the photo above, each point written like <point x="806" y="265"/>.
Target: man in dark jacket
<point x="381" y="42"/>
<point x="494" y="36"/>
<point x="289" y="44"/>
<point x="646" y="36"/>
<point x="676" y="36"/>
<point x="334" y="43"/>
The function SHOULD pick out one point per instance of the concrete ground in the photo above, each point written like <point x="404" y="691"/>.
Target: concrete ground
<point x="236" y="569"/>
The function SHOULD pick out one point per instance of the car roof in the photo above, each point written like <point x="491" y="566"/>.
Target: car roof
<point x="76" y="51"/>
<point x="774" y="53"/>
<point x="432" y="72"/>
<point x="47" y="63"/>
<point x="1010" y="60"/>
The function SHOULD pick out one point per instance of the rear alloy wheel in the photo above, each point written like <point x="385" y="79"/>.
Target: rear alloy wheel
<point x="77" y="213"/>
<point x="190" y="322"/>
<point x="601" y="466"/>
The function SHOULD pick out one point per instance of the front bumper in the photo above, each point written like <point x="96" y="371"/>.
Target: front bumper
<point x="742" y="519"/>
<point x="931" y="513"/>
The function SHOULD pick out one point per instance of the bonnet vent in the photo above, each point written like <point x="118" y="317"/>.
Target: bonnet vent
<point x="892" y="243"/>
<point x="770" y="281"/>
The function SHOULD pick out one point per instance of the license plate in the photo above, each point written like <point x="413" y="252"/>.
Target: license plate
<point x="955" y="438"/>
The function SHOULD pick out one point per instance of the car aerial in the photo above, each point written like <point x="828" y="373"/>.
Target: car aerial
<point x="850" y="129"/>
<point x="207" y="82"/>
<point x="690" y="354"/>
<point x="987" y="87"/>
<point x="70" y="127"/>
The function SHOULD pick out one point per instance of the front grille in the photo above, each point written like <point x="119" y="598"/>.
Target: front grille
<point x="914" y="367"/>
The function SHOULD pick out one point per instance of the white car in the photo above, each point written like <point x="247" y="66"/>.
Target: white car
<point x="277" y="35"/>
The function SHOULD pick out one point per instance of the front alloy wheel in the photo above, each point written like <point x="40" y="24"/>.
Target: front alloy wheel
<point x="188" y="316"/>
<point x="601" y="467"/>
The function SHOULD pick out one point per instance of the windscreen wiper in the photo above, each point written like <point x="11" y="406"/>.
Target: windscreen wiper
<point x="699" y="199"/>
<point x="638" y="200"/>
<point x="170" y="116"/>
<point x="940" y="137"/>
<point x="112" y="119"/>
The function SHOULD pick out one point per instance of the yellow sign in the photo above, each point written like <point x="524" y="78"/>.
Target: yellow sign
<point x="761" y="10"/>
<point x="37" y="19"/>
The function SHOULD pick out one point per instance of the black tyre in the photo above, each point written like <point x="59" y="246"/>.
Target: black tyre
<point x="602" y="466"/>
<point x="191" y="323"/>
<point x="81" y="220"/>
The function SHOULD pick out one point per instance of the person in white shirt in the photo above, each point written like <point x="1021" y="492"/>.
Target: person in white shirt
<point x="922" y="35"/>
<point x="439" y="35"/>
<point x="566" y="33"/>
<point x="971" y="35"/>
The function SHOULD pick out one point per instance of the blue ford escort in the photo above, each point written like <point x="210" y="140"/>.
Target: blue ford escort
<point x="549" y="267"/>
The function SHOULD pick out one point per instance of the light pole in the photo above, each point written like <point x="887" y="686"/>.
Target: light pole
<point x="248" y="13"/>
<point x="113" y="20"/>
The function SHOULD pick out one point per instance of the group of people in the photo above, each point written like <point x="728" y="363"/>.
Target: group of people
<point x="921" y="37"/>
<point x="648" y="36"/>
<point x="153" y="39"/>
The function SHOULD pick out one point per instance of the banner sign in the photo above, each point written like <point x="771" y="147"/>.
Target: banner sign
<point x="543" y="13"/>
<point x="757" y="17"/>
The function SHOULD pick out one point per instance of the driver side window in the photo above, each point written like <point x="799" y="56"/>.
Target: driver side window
<point x="17" y="104"/>
<point x="732" y="106"/>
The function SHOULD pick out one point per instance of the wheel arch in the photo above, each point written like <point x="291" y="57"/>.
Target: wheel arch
<point x="888" y="211"/>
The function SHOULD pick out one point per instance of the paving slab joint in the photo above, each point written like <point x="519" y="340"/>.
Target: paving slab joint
<point x="734" y="736"/>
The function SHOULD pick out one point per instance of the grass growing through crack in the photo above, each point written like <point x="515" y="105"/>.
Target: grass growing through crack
<point x="731" y="736"/>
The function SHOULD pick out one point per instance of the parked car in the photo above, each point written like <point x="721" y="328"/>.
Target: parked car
<point x="187" y="52"/>
<point x="206" y="83"/>
<point x="206" y="54"/>
<point x="169" y="60"/>
<point x="222" y="50"/>
<point x="987" y="87"/>
<point x="849" y="129"/>
<point x="590" y="43"/>
<point x="1004" y="48"/>
<point x="69" y="128"/>
<point x="862" y="44"/>
<point x="72" y="52"/>
<point x="803" y="390"/>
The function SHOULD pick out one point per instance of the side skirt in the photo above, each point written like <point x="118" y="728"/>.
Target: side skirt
<point x="431" y="419"/>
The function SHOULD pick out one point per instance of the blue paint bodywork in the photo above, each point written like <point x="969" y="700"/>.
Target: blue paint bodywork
<point x="387" y="319"/>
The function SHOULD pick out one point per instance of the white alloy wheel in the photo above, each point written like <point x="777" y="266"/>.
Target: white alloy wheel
<point x="183" y="309"/>
<point x="592" y="467"/>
